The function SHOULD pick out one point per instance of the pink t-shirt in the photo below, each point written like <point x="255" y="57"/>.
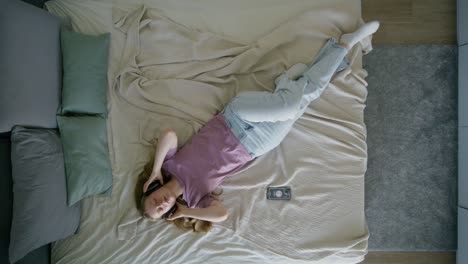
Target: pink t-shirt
<point x="203" y="163"/>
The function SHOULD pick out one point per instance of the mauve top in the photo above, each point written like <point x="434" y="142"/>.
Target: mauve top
<point x="203" y="163"/>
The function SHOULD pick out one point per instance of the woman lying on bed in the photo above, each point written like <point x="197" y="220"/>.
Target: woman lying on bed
<point x="252" y="124"/>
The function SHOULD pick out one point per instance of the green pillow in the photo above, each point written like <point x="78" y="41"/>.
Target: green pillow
<point x="84" y="60"/>
<point x="86" y="154"/>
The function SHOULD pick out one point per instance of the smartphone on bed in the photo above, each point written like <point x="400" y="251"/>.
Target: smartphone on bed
<point x="279" y="193"/>
<point x="152" y="188"/>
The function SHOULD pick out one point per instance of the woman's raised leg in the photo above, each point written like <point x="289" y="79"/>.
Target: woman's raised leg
<point x="285" y="102"/>
<point x="291" y="97"/>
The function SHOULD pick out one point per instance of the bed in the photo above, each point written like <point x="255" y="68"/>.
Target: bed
<point x="234" y="46"/>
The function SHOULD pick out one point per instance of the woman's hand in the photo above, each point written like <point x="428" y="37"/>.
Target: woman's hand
<point x="180" y="212"/>
<point x="154" y="176"/>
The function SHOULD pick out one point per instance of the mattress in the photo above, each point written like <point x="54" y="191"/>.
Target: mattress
<point x="152" y="87"/>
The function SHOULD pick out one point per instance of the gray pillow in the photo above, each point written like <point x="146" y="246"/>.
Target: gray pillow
<point x="30" y="66"/>
<point x="87" y="164"/>
<point x="40" y="211"/>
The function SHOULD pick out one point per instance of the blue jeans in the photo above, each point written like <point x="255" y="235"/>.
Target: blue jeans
<point x="261" y="120"/>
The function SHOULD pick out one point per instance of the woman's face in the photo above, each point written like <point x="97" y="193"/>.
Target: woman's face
<point x="159" y="202"/>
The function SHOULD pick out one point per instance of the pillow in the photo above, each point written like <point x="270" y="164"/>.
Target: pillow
<point x="87" y="165"/>
<point x="84" y="73"/>
<point x="31" y="66"/>
<point x="40" y="211"/>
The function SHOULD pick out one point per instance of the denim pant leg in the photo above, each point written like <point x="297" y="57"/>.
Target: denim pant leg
<point x="281" y="105"/>
<point x="291" y="97"/>
<point x="330" y="60"/>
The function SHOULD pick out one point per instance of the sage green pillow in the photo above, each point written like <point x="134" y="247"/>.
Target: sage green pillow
<point x="84" y="60"/>
<point x="86" y="153"/>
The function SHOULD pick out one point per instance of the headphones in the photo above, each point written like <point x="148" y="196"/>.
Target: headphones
<point x="152" y="188"/>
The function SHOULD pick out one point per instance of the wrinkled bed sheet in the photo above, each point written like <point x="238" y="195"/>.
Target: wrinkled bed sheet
<point x="173" y="69"/>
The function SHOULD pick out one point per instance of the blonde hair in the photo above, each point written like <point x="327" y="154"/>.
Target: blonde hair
<point x="184" y="223"/>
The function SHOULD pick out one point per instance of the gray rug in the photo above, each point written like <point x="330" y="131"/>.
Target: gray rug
<point x="411" y="118"/>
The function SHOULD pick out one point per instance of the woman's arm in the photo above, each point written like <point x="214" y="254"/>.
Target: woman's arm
<point x="167" y="141"/>
<point x="215" y="213"/>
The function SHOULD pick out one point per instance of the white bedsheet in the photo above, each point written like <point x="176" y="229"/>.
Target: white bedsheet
<point x="323" y="159"/>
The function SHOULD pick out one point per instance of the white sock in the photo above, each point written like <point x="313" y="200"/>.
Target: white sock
<point x="365" y="30"/>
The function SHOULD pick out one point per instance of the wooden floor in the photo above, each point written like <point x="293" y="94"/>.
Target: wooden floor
<point x="410" y="258"/>
<point x="412" y="21"/>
